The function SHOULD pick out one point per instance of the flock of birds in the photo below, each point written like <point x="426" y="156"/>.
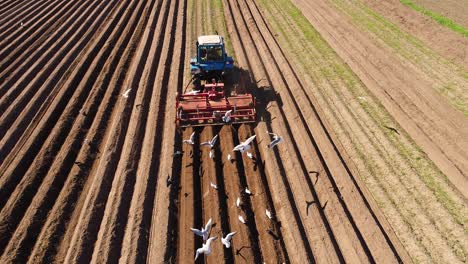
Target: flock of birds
<point x="242" y="147"/>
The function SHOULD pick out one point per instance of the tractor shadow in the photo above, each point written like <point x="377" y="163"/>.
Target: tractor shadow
<point x="240" y="80"/>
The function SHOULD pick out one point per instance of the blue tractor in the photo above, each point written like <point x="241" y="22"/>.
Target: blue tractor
<point x="211" y="62"/>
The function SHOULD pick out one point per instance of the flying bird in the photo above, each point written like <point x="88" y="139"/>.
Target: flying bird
<point x="244" y="145"/>
<point x="210" y="143"/>
<point x="211" y="155"/>
<point x="205" y="231"/>
<point x="249" y="155"/>
<point x="125" y="94"/>
<point x="193" y="92"/>
<point x="268" y="213"/>
<point x="227" y="116"/>
<point x="238" y="201"/>
<point x="276" y="140"/>
<point x="191" y="140"/>
<point x="247" y="191"/>
<point x="229" y="157"/>
<point x="242" y="219"/>
<point x="214" y="186"/>
<point x="206" y="248"/>
<point x="227" y="240"/>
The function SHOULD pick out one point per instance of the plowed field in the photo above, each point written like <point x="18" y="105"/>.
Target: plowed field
<point x="94" y="170"/>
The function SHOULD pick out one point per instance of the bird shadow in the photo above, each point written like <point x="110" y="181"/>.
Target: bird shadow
<point x="317" y="174"/>
<point x="271" y="233"/>
<point x="238" y="252"/>
<point x="309" y="203"/>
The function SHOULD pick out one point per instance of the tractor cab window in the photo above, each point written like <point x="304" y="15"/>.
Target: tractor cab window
<point x="211" y="53"/>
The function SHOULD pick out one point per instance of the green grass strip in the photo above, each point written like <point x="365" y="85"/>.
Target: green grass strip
<point x="446" y="22"/>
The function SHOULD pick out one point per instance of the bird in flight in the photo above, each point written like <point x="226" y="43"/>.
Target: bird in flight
<point x="206" y="248"/>
<point x="244" y="145"/>
<point x="227" y="240"/>
<point x="214" y="186"/>
<point x="227" y="116"/>
<point x="191" y="140"/>
<point x="247" y="191"/>
<point x="268" y="213"/>
<point x="242" y="219"/>
<point x="210" y="143"/>
<point x="276" y="140"/>
<point x="205" y="231"/>
<point x="126" y="93"/>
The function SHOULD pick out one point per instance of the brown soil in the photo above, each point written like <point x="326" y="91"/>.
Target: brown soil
<point x="87" y="141"/>
<point x="449" y="44"/>
<point x="452" y="9"/>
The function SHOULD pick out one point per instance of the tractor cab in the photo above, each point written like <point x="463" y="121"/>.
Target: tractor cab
<point x="211" y="61"/>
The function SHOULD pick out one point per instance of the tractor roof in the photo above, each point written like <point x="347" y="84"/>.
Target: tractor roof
<point x="210" y="39"/>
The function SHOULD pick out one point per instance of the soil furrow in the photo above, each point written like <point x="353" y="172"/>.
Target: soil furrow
<point x="30" y="48"/>
<point x="398" y="100"/>
<point x="24" y="121"/>
<point x="26" y="23"/>
<point x="164" y="206"/>
<point x="61" y="114"/>
<point x="211" y="196"/>
<point x="110" y="237"/>
<point x="26" y="189"/>
<point x="21" y="93"/>
<point x="7" y="14"/>
<point x="81" y="243"/>
<point x="243" y="246"/>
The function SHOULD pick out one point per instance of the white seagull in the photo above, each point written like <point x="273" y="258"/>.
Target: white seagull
<point x="227" y="241"/>
<point x="249" y="155"/>
<point x="205" y="231"/>
<point x="194" y="92"/>
<point x="238" y="201"/>
<point x="229" y="157"/>
<point x="241" y="219"/>
<point x="247" y="191"/>
<point x="210" y="143"/>
<point x="244" y="145"/>
<point x="214" y="186"/>
<point x="268" y="213"/>
<point x="191" y="140"/>
<point x="211" y="155"/>
<point x="206" y="248"/>
<point x="276" y="140"/>
<point x="125" y="94"/>
<point x="227" y="116"/>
